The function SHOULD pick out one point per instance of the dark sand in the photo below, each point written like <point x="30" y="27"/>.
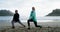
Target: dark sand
<point x="47" y="27"/>
<point x="33" y="29"/>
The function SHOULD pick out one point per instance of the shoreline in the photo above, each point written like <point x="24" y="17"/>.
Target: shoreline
<point x="44" y="24"/>
<point x="33" y="29"/>
<point x="47" y="27"/>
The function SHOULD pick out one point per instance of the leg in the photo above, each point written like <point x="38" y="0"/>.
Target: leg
<point x="12" y="24"/>
<point x="21" y="23"/>
<point x="30" y="20"/>
<point x="28" y="23"/>
<point x="37" y="25"/>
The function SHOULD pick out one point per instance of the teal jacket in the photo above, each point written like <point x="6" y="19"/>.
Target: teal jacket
<point x="33" y="16"/>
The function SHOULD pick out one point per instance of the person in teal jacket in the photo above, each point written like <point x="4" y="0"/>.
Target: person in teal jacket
<point x="32" y="18"/>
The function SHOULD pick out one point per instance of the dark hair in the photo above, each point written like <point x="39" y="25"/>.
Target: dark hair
<point x="33" y="8"/>
<point x="16" y="10"/>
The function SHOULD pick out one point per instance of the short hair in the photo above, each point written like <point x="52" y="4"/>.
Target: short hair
<point x="16" y="10"/>
<point x="33" y="8"/>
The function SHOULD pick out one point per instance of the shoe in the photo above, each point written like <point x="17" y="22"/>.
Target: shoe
<point x="13" y="27"/>
<point x="40" y="26"/>
<point x="24" y="26"/>
<point x="29" y="28"/>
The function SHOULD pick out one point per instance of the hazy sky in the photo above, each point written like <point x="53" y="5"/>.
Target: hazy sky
<point x="43" y="7"/>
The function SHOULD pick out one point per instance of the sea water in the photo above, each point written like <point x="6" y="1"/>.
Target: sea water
<point x="44" y="21"/>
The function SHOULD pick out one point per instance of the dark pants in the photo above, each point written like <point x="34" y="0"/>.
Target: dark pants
<point x="15" y="22"/>
<point x="35" y="22"/>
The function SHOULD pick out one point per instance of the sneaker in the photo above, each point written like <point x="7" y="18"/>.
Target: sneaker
<point x="24" y="26"/>
<point x="40" y="26"/>
<point x="29" y="28"/>
<point x="13" y="27"/>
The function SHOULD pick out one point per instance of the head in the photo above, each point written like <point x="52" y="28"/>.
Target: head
<point x="33" y="8"/>
<point x="16" y="11"/>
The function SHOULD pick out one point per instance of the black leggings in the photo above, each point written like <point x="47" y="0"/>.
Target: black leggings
<point x="15" y="22"/>
<point x="30" y="20"/>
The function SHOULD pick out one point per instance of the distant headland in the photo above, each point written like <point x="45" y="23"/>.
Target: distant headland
<point x="55" y="12"/>
<point x="6" y="13"/>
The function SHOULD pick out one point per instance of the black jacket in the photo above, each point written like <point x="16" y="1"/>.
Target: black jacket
<point x="16" y="17"/>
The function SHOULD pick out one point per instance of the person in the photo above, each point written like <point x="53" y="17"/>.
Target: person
<point x="32" y="18"/>
<point x="16" y="19"/>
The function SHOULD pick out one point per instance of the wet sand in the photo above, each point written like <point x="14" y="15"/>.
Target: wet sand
<point x="47" y="27"/>
<point x="33" y="29"/>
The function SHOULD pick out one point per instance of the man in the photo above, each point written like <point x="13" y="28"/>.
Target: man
<point x="16" y="19"/>
<point x="32" y="18"/>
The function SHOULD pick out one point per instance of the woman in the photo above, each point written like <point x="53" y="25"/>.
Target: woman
<point x="32" y="18"/>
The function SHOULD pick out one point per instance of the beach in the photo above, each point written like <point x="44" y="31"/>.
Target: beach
<point x="20" y="28"/>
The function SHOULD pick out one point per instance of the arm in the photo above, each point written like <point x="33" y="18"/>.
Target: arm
<point x="30" y="15"/>
<point x="18" y="15"/>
